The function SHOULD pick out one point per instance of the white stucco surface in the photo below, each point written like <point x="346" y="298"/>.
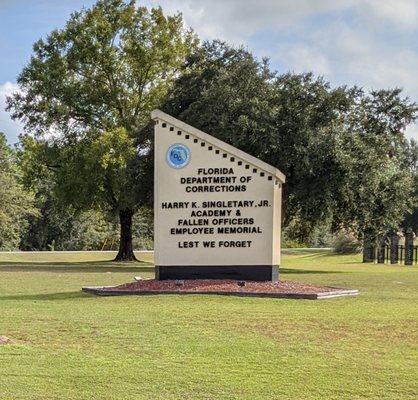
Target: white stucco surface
<point x="249" y="200"/>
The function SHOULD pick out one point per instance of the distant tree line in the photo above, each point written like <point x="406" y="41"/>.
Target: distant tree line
<point x="32" y="218"/>
<point x="84" y="167"/>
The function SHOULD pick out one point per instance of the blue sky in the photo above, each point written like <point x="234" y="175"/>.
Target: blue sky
<point x="371" y="43"/>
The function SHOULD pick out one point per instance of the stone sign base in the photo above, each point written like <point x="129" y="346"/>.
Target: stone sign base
<point x="233" y="272"/>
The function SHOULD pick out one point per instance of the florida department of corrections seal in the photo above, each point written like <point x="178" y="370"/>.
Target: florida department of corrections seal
<point x="178" y="156"/>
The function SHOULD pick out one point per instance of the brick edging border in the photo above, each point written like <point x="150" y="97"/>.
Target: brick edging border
<point x="107" y="291"/>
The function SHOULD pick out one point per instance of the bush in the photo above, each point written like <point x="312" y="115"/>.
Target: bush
<point x="346" y="243"/>
<point x="143" y="229"/>
<point x="293" y="244"/>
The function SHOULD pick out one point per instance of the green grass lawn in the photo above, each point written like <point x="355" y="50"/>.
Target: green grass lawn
<point x="71" y="345"/>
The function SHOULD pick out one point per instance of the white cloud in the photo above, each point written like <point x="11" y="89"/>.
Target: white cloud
<point x="401" y="14"/>
<point x="303" y="58"/>
<point x="237" y="20"/>
<point x="364" y="42"/>
<point x="357" y="55"/>
<point x="7" y="125"/>
<point x="412" y="132"/>
<point x="356" y="36"/>
<point x="368" y="43"/>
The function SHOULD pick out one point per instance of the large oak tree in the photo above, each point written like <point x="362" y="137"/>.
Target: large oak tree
<point x="86" y="95"/>
<point x="343" y="151"/>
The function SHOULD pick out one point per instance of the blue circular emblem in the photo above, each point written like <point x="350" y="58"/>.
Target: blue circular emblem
<point x="178" y="155"/>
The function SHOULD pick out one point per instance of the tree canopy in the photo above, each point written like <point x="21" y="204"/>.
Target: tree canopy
<point x="16" y="204"/>
<point x="87" y="94"/>
<point x="85" y="98"/>
<point x="343" y="150"/>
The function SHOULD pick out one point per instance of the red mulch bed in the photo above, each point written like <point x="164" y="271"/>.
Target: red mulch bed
<point x="219" y="285"/>
<point x="282" y="289"/>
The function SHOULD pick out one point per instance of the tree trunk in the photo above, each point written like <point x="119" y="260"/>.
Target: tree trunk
<point x="369" y="249"/>
<point x="126" y="251"/>
<point x="381" y="249"/>
<point x="394" y="247"/>
<point x="409" y="247"/>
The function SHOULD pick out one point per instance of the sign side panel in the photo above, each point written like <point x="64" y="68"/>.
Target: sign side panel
<point x="277" y="219"/>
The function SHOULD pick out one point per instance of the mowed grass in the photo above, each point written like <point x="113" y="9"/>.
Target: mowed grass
<point x="71" y="345"/>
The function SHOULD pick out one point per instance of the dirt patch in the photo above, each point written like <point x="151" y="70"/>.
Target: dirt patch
<point x="5" y="340"/>
<point x="288" y="289"/>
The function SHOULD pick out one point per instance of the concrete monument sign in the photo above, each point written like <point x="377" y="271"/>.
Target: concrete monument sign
<point x="217" y="209"/>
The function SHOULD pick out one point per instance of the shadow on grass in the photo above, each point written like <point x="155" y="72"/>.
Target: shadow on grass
<point x="46" y="296"/>
<point x="101" y="262"/>
<point x="333" y="257"/>
<point x="298" y="251"/>
<point x="104" y="267"/>
<point x="77" y="267"/>
<point x="306" y="271"/>
<point x="320" y="255"/>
